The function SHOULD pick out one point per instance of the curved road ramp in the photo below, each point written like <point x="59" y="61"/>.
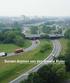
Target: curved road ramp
<point x="55" y="52"/>
<point x="33" y="46"/>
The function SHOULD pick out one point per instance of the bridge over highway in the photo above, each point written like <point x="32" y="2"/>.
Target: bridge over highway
<point x="38" y="36"/>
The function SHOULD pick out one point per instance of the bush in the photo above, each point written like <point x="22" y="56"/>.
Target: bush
<point x="45" y="47"/>
<point x="61" y="57"/>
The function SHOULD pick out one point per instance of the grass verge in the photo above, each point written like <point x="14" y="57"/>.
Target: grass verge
<point x="64" y="46"/>
<point x="10" y="71"/>
<point x="11" y="47"/>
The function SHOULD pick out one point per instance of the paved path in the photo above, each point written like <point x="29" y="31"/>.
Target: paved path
<point x="55" y="52"/>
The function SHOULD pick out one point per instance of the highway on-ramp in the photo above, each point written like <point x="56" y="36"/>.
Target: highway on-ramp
<point x="55" y="53"/>
<point x="30" y="48"/>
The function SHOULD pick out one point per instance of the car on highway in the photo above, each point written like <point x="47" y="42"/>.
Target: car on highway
<point x="3" y="54"/>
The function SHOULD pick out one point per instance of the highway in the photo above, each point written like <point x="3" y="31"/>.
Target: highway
<point x="33" y="46"/>
<point x="55" y="52"/>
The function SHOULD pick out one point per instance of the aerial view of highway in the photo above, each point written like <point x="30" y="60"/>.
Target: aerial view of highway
<point x="34" y="41"/>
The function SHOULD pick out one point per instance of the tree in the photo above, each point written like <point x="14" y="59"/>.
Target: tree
<point x="19" y="40"/>
<point x="67" y="34"/>
<point x="67" y="57"/>
<point x="50" y="73"/>
<point x="45" y="47"/>
<point x="9" y="36"/>
<point x="44" y="36"/>
<point x="47" y="74"/>
<point x="60" y="31"/>
<point x="34" y="30"/>
<point x="46" y="29"/>
<point x="34" y="78"/>
<point x="13" y="36"/>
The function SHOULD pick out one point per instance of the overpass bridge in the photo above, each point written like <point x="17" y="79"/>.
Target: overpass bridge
<point x="38" y="36"/>
<point x="33" y="36"/>
<point x="55" y="36"/>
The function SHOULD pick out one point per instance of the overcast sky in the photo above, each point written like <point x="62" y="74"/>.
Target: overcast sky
<point x="35" y="7"/>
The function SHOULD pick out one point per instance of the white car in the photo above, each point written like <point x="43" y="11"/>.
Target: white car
<point x="3" y="54"/>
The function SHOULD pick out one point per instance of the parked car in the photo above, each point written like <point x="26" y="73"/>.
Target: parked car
<point x="19" y="50"/>
<point x="3" y="54"/>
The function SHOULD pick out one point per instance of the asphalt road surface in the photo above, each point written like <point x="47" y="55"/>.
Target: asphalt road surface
<point x="55" y="53"/>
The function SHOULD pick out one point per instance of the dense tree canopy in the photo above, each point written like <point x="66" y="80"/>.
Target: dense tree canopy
<point x="47" y="29"/>
<point x="47" y="74"/>
<point x="67" y="57"/>
<point x="12" y="36"/>
<point x="34" y="29"/>
<point x="67" y="34"/>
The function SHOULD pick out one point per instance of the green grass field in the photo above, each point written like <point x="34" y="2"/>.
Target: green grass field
<point x="11" y="47"/>
<point x="27" y="43"/>
<point x="8" y="47"/>
<point x="9" y="71"/>
<point x="63" y="51"/>
<point x="64" y="46"/>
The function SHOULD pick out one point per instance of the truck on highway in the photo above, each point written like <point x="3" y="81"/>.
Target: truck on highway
<point x="3" y="54"/>
<point x="19" y="50"/>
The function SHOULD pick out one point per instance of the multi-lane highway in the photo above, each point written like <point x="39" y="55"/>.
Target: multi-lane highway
<point x="55" y="53"/>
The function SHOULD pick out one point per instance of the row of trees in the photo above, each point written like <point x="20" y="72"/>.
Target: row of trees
<point x="67" y="54"/>
<point x="67" y="57"/>
<point x="42" y="28"/>
<point x="47" y="29"/>
<point x="47" y="74"/>
<point x="67" y="34"/>
<point x="12" y="36"/>
<point x="34" y="30"/>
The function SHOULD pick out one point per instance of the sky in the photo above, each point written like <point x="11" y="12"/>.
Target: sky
<point x="35" y="7"/>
